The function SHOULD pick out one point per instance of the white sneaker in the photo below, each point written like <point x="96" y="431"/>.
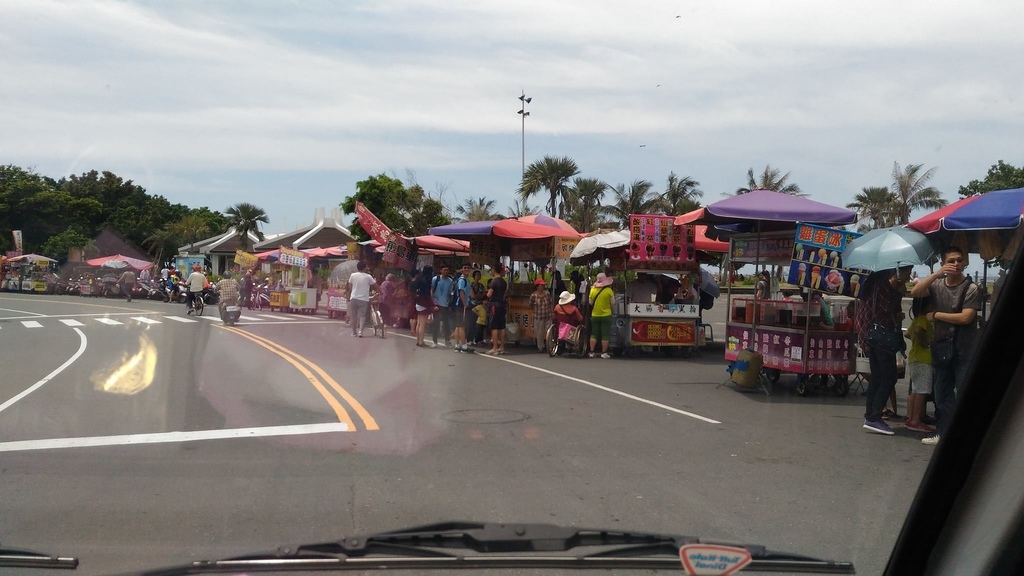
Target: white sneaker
<point x="931" y="440"/>
<point x="606" y="355"/>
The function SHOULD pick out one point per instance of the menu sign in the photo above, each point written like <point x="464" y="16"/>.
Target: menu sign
<point x="661" y="332"/>
<point x="484" y="250"/>
<point x="373" y="226"/>
<point x="400" y="252"/>
<point x="765" y="248"/>
<point x="292" y="257"/>
<point x="818" y="264"/>
<point x="565" y="246"/>
<point x="657" y="239"/>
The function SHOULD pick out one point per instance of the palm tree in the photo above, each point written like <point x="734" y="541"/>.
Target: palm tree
<point x="477" y="210"/>
<point x="874" y="204"/>
<point x="908" y="185"/>
<point x="681" y="195"/>
<point x="245" y="218"/>
<point x="638" y="199"/>
<point x="770" y="180"/>
<point x="191" y="229"/>
<point x="583" y="203"/>
<point x="520" y="208"/>
<point x="160" y="242"/>
<point x="551" y="174"/>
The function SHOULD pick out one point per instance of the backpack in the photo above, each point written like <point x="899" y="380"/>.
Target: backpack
<point x="453" y="292"/>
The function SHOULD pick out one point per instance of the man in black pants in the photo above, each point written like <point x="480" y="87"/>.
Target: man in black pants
<point x="882" y="305"/>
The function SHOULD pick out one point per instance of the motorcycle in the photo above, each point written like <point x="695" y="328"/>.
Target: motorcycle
<point x="260" y="297"/>
<point x="230" y="311"/>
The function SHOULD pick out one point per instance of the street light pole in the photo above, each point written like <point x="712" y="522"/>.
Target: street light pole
<point x="524" y="114"/>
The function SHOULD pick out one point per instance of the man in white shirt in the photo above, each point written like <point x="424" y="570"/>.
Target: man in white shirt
<point x="360" y="285"/>
<point x="196" y="282"/>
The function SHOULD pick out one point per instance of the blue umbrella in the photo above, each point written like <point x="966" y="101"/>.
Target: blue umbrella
<point x="888" y="248"/>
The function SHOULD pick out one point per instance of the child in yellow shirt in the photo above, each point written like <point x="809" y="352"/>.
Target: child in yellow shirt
<point x="481" y="323"/>
<point x="919" y="364"/>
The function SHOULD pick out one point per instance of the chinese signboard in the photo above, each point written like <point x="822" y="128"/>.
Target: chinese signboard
<point x="400" y="252"/>
<point x="565" y="246"/>
<point x="671" y="310"/>
<point x="373" y="225"/>
<point x="663" y="332"/>
<point x="771" y="248"/>
<point x="817" y="261"/>
<point x="520" y="312"/>
<point x="658" y="239"/>
<point x="782" y="349"/>
<point x="484" y="250"/>
<point x="530" y="250"/>
<point x="245" y="260"/>
<point x="18" y="246"/>
<point x="292" y="257"/>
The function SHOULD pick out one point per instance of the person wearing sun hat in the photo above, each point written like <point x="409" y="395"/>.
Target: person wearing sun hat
<point x="567" y="314"/>
<point x="540" y="302"/>
<point x="601" y="314"/>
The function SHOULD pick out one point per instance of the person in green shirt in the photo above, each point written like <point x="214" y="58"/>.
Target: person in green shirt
<point x="919" y="364"/>
<point x="601" y="314"/>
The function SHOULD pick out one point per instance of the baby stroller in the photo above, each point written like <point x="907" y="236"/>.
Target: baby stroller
<point x="573" y="340"/>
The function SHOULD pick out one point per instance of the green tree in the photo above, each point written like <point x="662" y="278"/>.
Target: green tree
<point x="246" y="218"/>
<point x="583" y="203"/>
<point x="639" y="198"/>
<point x="409" y="211"/>
<point x="477" y="210"/>
<point x="551" y="174"/>
<point x="1001" y="176"/>
<point x="191" y="229"/>
<point x="875" y="206"/>
<point x="909" y="186"/>
<point x="520" y="208"/>
<point x="770" y="180"/>
<point x="681" y="195"/>
<point x="58" y="245"/>
<point x="162" y="242"/>
<point x="423" y="212"/>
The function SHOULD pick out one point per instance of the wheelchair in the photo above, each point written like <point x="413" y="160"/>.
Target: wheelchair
<point x="576" y="343"/>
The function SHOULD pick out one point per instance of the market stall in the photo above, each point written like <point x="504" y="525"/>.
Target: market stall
<point x="26" y="273"/>
<point x="541" y="240"/>
<point x="789" y="335"/>
<point x="658" y="310"/>
<point x="291" y="286"/>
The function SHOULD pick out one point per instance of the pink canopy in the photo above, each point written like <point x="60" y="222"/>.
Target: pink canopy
<point x="119" y="261"/>
<point x="550" y="221"/>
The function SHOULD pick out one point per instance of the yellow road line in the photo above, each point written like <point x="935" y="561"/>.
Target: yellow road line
<point x="78" y="304"/>
<point x="368" y="420"/>
<point x="331" y="400"/>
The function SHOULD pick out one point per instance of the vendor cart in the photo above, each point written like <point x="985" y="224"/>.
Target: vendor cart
<point x="294" y="291"/>
<point x="790" y="335"/>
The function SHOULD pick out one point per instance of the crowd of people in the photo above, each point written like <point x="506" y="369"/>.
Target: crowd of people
<point x="942" y="334"/>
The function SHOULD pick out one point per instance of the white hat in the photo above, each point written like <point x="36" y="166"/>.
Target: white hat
<point x="565" y="297"/>
<point x="602" y="281"/>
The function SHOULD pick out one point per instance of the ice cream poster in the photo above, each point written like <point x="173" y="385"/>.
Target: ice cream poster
<point x="818" y="264"/>
<point x="657" y="239"/>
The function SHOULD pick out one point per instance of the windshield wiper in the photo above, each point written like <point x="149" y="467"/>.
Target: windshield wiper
<point x="13" y="558"/>
<point x="469" y="545"/>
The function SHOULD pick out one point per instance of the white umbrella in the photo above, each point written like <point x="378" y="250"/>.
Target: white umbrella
<point x="591" y="244"/>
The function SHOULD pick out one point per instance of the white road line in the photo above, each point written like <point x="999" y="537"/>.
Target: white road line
<point x="269" y="317"/>
<point x="109" y="321"/>
<point x="48" y="377"/>
<point x="168" y="437"/>
<point x="248" y="321"/>
<point x="71" y="322"/>
<point x="179" y="319"/>
<point x="145" y="320"/>
<point x="592" y="384"/>
<point x="211" y="318"/>
<point x="31" y="324"/>
<point x="30" y="314"/>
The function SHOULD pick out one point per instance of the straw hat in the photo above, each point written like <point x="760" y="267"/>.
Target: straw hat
<point x="565" y="297"/>
<point x="602" y="281"/>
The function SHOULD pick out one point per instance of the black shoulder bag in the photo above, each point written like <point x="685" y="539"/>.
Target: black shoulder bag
<point x="944" y="349"/>
<point x="886" y="338"/>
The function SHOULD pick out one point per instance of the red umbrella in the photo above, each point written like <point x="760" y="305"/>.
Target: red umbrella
<point x="550" y="221"/>
<point x="702" y="242"/>
<point x="518" y="229"/>
<point x="119" y="261"/>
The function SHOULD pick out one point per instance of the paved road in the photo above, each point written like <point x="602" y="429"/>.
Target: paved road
<point x="134" y="436"/>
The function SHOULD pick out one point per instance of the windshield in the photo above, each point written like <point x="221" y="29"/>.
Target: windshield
<point x="260" y="286"/>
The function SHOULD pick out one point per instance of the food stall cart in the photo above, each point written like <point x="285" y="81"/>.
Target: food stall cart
<point x="27" y="273"/>
<point x="293" y="291"/>
<point x="769" y="228"/>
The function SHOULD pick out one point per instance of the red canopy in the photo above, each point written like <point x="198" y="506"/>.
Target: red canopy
<point x="550" y="221"/>
<point x="702" y="242"/>
<point x="441" y="243"/>
<point x="332" y="252"/>
<point x="125" y="261"/>
<point x="518" y="229"/>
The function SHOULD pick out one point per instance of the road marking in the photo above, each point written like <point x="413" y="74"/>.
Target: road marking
<point x="339" y="410"/>
<point x="31" y="324"/>
<point x="180" y="319"/>
<point x="109" y="321"/>
<point x="268" y="316"/>
<point x="145" y="320"/>
<point x="593" y="385"/>
<point x="77" y="303"/>
<point x="30" y="314"/>
<point x="51" y="375"/>
<point x="368" y="421"/>
<point x="169" y="437"/>
<point x="211" y="318"/>
<point x="247" y="322"/>
<point x="44" y="316"/>
<point x="71" y="322"/>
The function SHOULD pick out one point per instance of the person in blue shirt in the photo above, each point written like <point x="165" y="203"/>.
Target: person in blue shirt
<point x="440" y="292"/>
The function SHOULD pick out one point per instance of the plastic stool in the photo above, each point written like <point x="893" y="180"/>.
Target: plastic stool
<point x="709" y="333"/>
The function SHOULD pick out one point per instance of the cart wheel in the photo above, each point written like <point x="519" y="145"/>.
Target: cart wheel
<point x="633" y="352"/>
<point x="686" y="352"/>
<point x="669" y="351"/>
<point x="841" y="384"/>
<point x="801" y="384"/>
<point x="617" y="351"/>
<point x="773" y="374"/>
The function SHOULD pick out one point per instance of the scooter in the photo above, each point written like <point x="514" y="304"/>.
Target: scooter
<point x="230" y="311"/>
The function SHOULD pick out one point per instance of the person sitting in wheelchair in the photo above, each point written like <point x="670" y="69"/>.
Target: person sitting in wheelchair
<point x="567" y="315"/>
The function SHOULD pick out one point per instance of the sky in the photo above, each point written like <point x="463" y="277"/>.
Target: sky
<point x="288" y="104"/>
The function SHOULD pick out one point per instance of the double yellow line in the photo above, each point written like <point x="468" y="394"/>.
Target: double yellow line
<point x="307" y="368"/>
